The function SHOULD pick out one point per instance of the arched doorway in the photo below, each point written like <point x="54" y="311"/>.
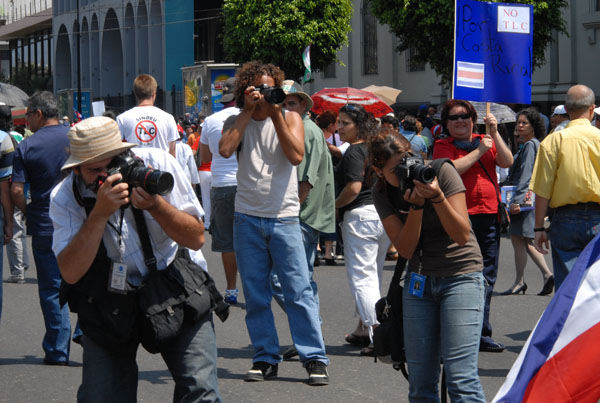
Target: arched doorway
<point x="142" y="38"/>
<point x="62" y="71"/>
<point x="112" y="55"/>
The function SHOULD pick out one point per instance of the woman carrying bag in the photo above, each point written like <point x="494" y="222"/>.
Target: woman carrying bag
<point x="443" y="294"/>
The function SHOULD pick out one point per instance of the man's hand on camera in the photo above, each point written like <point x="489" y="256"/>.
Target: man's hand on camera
<point x="110" y="198"/>
<point x="272" y="110"/>
<point x="143" y="200"/>
<point x="251" y="99"/>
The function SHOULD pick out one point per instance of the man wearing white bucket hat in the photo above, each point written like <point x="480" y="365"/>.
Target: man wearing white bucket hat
<point x="95" y="231"/>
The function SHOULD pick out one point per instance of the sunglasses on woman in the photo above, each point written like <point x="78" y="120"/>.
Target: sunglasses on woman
<point x="463" y="116"/>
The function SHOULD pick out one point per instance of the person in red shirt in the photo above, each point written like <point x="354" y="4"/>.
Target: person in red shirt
<point x="205" y="181"/>
<point x="475" y="157"/>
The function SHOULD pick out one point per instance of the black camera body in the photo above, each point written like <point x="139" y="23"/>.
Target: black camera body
<point x="135" y="173"/>
<point x="412" y="167"/>
<point x="273" y="95"/>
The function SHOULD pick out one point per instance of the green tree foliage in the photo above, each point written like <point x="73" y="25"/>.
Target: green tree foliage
<point x="428" y="27"/>
<point x="278" y="31"/>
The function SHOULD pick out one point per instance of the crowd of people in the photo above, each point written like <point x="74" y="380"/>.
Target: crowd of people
<point x="278" y="189"/>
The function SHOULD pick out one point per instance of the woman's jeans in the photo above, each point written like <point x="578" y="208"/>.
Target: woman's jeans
<point x="444" y="326"/>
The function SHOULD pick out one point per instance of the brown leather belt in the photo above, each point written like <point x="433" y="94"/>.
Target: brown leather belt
<point x="579" y="206"/>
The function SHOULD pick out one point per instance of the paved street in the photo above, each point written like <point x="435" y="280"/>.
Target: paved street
<point x="23" y="377"/>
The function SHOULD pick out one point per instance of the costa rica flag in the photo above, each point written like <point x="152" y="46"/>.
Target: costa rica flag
<point x="561" y="360"/>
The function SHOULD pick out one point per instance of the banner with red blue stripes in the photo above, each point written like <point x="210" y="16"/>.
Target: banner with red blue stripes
<point x="561" y="360"/>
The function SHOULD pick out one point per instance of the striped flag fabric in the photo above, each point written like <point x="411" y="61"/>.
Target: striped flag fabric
<point x="470" y="75"/>
<point x="561" y="360"/>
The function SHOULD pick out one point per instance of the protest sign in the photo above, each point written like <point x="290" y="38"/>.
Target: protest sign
<point x="493" y="45"/>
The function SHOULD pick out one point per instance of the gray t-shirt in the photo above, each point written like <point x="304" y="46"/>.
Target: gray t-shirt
<point x="436" y="255"/>
<point x="267" y="180"/>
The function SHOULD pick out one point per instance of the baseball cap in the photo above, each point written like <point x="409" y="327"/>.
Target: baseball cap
<point x="228" y="90"/>
<point x="559" y="110"/>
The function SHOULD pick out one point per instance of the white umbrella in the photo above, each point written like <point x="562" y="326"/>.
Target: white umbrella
<point x="386" y="94"/>
<point x="12" y="96"/>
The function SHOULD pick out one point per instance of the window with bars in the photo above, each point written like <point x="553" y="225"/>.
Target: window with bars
<point x="411" y="64"/>
<point x="329" y="71"/>
<point x="369" y="39"/>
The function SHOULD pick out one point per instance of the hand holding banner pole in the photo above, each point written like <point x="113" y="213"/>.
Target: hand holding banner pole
<point x="488" y="110"/>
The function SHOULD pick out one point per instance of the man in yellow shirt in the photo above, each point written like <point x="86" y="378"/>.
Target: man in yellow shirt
<point x="566" y="177"/>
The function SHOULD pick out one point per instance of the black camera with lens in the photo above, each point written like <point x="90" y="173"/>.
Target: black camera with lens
<point x="273" y="95"/>
<point x="135" y="173"/>
<point x="413" y="168"/>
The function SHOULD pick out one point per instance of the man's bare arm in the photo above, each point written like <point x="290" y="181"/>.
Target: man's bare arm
<point x="184" y="228"/>
<point x="8" y="209"/>
<point x="205" y="153"/>
<point x="17" y="196"/>
<point x="232" y="136"/>
<point x="172" y="148"/>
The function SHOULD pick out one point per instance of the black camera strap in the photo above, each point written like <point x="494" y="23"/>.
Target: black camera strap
<point x="142" y="229"/>
<point x="491" y="180"/>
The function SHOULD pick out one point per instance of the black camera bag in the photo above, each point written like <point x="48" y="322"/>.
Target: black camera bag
<point x="388" y="337"/>
<point x="183" y="292"/>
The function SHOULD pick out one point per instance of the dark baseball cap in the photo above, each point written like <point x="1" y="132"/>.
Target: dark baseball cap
<point x="5" y="113"/>
<point x="228" y="90"/>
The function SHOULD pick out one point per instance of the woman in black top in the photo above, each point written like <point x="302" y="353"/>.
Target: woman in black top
<point x="365" y="241"/>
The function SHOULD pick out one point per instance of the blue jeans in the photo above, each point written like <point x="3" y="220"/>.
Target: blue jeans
<point x="310" y="239"/>
<point x="58" y="326"/>
<point x="264" y="246"/>
<point x="191" y="358"/>
<point x="487" y="232"/>
<point x="570" y="232"/>
<point x="444" y="325"/>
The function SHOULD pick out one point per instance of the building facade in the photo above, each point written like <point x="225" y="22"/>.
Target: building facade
<point x="371" y="58"/>
<point x="119" y="40"/>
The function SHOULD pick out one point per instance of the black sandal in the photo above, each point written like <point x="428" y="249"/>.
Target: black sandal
<point x="358" y="341"/>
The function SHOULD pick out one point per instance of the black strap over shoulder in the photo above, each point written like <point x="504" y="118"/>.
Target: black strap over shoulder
<point x="142" y="229"/>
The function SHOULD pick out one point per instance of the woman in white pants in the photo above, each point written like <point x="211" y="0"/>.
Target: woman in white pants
<point x="365" y="241"/>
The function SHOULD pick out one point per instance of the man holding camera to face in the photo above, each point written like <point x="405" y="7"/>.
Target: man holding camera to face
<point x="266" y="233"/>
<point x="97" y="234"/>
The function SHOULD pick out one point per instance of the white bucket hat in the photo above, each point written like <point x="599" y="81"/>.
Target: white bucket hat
<point x="94" y="139"/>
<point x="293" y="88"/>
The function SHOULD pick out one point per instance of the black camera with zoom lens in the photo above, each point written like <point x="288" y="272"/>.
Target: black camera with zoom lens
<point x="135" y="173"/>
<point x="273" y="95"/>
<point x="412" y="167"/>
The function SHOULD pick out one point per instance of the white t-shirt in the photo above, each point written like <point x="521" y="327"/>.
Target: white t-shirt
<point x="185" y="156"/>
<point x="342" y="145"/>
<point x="267" y="181"/>
<point x="148" y="126"/>
<point x="223" y="170"/>
<point x="68" y="218"/>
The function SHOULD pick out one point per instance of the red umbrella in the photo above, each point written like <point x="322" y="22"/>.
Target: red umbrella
<point x="333" y="99"/>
